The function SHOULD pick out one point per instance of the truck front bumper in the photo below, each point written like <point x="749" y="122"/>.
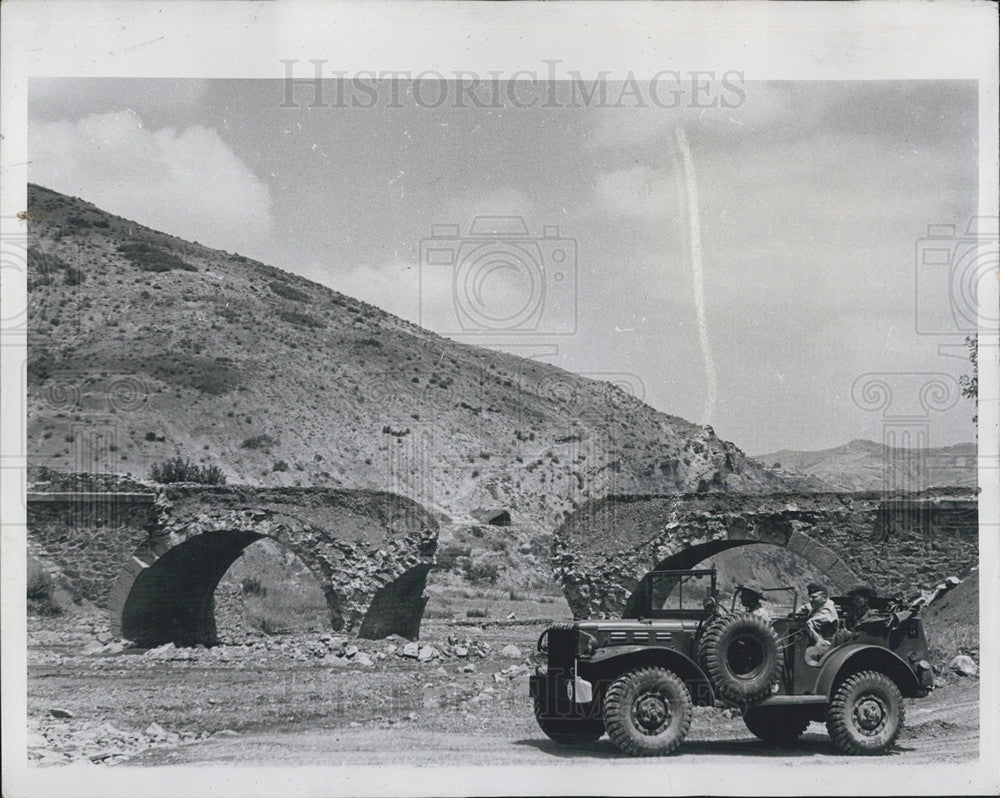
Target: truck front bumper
<point x="557" y="688"/>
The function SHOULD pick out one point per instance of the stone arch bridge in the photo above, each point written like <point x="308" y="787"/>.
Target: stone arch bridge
<point x="154" y="558"/>
<point x="896" y="541"/>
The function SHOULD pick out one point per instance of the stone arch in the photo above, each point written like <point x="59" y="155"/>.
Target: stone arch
<point x="898" y="541"/>
<point x="370" y="552"/>
<point x="839" y="575"/>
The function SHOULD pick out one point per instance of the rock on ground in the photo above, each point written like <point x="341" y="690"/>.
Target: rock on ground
<point x="964" y="665"/>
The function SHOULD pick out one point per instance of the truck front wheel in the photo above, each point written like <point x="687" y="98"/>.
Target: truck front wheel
<point x="647" y="712"/>
<point x="865" y="714"/>
<point x="568" y="731"/>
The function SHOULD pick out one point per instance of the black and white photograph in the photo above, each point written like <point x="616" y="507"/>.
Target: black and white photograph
<point x="522" y="398"/>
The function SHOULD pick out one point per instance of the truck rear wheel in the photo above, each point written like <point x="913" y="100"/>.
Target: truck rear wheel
<point x="568" y="731"/>
<point x="866" y="714"/>
<point x="647" y="712"/>
<point x="775" y="726"/>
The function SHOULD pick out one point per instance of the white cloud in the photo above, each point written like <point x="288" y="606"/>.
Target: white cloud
<point x="185" y="182"/>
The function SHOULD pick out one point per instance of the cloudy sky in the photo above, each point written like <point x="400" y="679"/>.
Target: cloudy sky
<point x="739" y="266"/>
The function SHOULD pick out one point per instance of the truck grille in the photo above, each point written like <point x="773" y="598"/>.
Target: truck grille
<point x="562" y="645"/>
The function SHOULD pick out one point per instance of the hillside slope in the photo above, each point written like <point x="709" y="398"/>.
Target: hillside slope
<point x="867" y="465"/>
<point x="143" y="346"/>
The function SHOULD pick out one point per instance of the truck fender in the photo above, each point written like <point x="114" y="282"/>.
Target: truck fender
<point x="862" y="657"/>
<point x="607" y="662"/>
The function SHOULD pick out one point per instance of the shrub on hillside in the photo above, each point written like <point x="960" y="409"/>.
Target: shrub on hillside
<point x="43" y="266"/>
<point x="288" y="292"/>
<point x="153" y="259"/>
<point x="41" y="592"/>
<point x="262" y="442"/>
<point x="448" y="556"/>
<point x="74" y="276"/>
<point x="300" y="318"/>
<point x="479" y="571"/>
<point x="178" y="469"/>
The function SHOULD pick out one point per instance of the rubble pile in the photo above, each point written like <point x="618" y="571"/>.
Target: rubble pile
<point x="60" y="739"/>
<point x="91" y="642"/>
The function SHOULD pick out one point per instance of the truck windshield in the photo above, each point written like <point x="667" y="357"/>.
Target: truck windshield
<point x="679" y="592"/>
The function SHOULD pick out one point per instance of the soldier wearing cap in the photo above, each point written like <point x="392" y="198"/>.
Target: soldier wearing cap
<point x="751" y="600"/>
<point x="821" y="613"/>
<point x="860" y="605"/>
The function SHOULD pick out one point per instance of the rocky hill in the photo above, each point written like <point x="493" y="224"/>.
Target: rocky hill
<point x="867" y="465"/>
<point x="144" y="347"/>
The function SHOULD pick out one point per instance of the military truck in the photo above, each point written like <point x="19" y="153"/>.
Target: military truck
<point x="676" y="647"/>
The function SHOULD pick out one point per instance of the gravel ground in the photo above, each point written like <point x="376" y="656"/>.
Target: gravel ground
<point x="459" y="697"/>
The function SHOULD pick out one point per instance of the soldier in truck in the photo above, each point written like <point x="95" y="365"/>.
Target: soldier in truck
<point x="752" y="602"/>
<point x="821" y="614"/>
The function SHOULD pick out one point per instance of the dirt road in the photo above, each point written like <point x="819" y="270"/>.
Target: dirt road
<point x="294" y="702"/>
<point x="416" y="747"/>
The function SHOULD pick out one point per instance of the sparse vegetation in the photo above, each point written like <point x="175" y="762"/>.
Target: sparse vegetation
<point x="261" y="442"/>
<point x="269" y="590"/>
<point x="449" y="555"/>
<point x="179" y="469"/>
<point x="41" y="592"/>
<point x="478" y="571"/>
<point x="74" y="276"/>
<point x="150" y="258"/>
<point x="301" y="319"/>
<point x="288" y="292"/>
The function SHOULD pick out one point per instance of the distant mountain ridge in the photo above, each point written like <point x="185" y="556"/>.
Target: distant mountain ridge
<point x="868" y="465"/>
<point x="143" y="346"/>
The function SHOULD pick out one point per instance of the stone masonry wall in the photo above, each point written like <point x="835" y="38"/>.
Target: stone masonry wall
<point x="127" y="546"/>
<point x="897" y="542"/>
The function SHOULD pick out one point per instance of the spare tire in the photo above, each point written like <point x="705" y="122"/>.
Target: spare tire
<point x="740" y="654"/>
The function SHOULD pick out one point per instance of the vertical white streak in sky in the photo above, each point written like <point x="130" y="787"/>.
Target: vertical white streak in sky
<point x="694" y="242"/>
